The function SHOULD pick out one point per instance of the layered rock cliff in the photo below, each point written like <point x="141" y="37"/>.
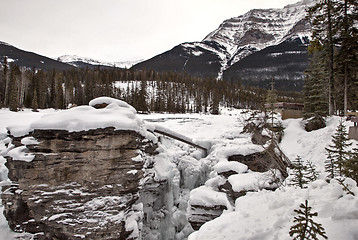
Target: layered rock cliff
<point x="76" y="174"/>
<point x="78" y="185"/>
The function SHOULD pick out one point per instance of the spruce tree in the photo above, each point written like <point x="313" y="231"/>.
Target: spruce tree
<point x="214" y="106"/>
<point x="303" y="172"/>
<point x="305" y="227"/>
<point x="271" y="99"/>
<point x="338" y="151"/>
<point x="7" y="82"/>
<point x="315" y="86"/>
<point x="142" y="97"/>
<point x="311" y="173"/>
<point x="322" y="17"/>
<point x="14" y="87"/>
<point x="299" y="171"/>
<point x="347" y="38"/>
<point x="330" y="166"/>
<point x="350" y="167"/>
<point x="34" y="104"/>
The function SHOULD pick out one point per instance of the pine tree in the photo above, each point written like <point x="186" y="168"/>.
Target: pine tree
<point x="303" y="172"/>
<point x="350" y="167"/>
<point x="7" y="82"/>
<point x="299" y="171"/>
<point x="315" y="87"/>
<point x="311" y="173"/>
<point x="214" y="106"/>
<point x="322" y="17"/>
<point x="347" y="58"/>
<point x="306" y="227"/>
<point x="330" y="166"/>
<point x="142" y="96"/>
<point x="14" y="87"/>
<point x="34" y="104"/>
<point x="337" y="151"/>
<point x="271" y="98"/>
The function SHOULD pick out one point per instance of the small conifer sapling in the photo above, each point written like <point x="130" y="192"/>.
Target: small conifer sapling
<point x="305" y="227"/>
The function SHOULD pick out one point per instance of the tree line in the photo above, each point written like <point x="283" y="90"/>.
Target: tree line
<point x="331" y="84"/>
<point x="146" y="90"/>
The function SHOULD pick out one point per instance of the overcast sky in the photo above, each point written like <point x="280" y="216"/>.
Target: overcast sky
<point x="115" y="30"/>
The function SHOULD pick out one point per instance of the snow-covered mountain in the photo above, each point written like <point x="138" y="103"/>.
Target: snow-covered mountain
<point x="78" y="61"/>
<point x="240" y="37"/>
<point x="260" y="28"/>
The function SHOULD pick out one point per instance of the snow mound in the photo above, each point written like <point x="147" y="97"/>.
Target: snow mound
<point x="20" y="153"/>
<point x="269" y="215"/>
<point x="117" y="114"/>
<point x="253" y="181"/>
<point x="230" y="166"/>
<point x="208" y="197"/>
<point x="108" y="101"/>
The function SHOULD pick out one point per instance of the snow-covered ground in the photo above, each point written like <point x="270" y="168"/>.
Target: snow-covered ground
<point x="259" y="215"/>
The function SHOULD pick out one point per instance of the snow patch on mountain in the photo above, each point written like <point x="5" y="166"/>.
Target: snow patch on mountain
<point x="74" y="59"/>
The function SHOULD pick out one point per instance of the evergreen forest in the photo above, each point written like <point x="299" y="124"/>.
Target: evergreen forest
<point x="146" y="90"/>
<point x="331" y="84"/>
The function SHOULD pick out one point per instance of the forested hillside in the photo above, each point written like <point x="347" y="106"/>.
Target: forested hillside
<point x="146" y="90"/>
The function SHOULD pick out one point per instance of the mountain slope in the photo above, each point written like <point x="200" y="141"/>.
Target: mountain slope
<point x="260" y="28"/>
<point x="284" y="63"/>
<point x="197" y="58"/>
<point x="30" y="59"/>
<point x="240" y="37"/>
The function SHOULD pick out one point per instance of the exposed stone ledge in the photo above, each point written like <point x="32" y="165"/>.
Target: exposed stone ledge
<point x="80" y="185"/>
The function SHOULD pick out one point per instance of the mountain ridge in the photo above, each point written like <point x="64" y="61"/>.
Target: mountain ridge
<point x="237" y="38"/>
<point x="79" y="61"/>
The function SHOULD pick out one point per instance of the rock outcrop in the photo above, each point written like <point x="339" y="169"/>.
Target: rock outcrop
<point x="79" y="185"/>
<point x="233" y="178"/>
<point x="76" y="174"/>
<point x="315" y="123"/>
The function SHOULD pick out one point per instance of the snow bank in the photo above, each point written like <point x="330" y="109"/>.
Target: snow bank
<point x="253" y="181"/>
<point x="269" y="215"/>
<point x="226" y="166"/>
<point x="117" y="114"/>
<point x="108" y="101"/>
<point x="309" y="145"/>
<point x="208" y="197"/>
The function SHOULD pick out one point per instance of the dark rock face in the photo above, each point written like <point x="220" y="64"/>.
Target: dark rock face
<point x="285" y="63"/>
<point x="315" y="123"/>
<point x="80" y="185"/>
<point x="202" y="214"/>
<point x="258" y="162"/>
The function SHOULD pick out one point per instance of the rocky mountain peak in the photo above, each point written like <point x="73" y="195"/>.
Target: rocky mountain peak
<point x="260" y="28"/>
